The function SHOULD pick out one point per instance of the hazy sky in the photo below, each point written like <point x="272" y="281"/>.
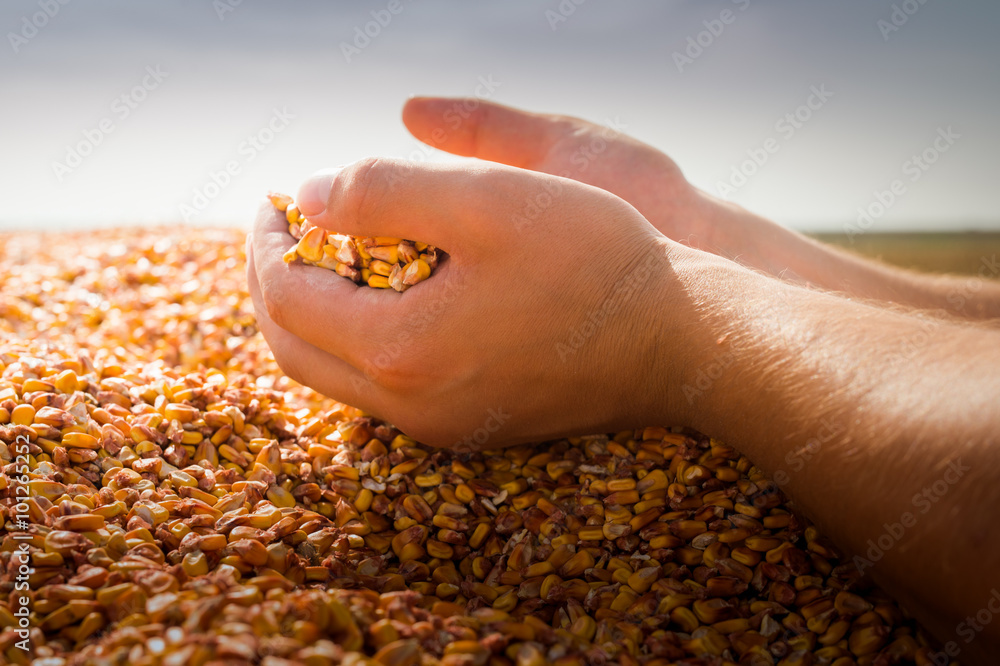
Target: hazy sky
<point x="120" y="112"/>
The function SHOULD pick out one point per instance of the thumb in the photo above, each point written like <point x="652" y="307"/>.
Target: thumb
<point x="452" y="206"/>
<point x="472" y="127"/>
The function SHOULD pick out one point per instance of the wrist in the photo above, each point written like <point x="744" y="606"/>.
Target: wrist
<point x="726" y="229"/>
<point x="733" y="232"/>
<point x="716" y="312"/>
<point x="678" y="340"/>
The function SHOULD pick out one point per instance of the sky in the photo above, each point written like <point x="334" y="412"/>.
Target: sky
<point x="820" y="115"/>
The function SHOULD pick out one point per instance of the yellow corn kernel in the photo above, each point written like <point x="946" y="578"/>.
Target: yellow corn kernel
<point x="23" y="414"/>
<point x="310" y="246"/>
<point x="280" y="201"/>
<point x="416" y="271"/>
<point x="378" y="281"/>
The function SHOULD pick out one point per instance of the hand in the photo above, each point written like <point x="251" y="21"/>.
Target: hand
<point x="583" y="151"/>
<point x="495" y="347"/>
<point x="652" y="182"/>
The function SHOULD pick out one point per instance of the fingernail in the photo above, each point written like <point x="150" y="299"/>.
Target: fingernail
<point x="315" y="192"/>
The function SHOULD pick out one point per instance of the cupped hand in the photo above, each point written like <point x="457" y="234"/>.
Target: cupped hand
<point x="577" y="149"/>
<point x="564" y="327"/>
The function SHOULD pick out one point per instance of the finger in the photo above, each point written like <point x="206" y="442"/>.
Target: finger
<point x="315" y="304"/>
<point x="476" y="128"/>
<point x="304" y="362"/>
<point x="448" y="205"/>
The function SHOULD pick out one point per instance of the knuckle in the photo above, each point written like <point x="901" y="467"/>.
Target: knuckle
<point x="273" y="296"/>
<point x="365" y="184"/>
<point x="268" y="218"/>
<point x="481" y="127"/>
<point x="399" y="364"/>
<point x="289" y="365"/>
<point x="392" y="372"/>
<point x="561" y="125"/>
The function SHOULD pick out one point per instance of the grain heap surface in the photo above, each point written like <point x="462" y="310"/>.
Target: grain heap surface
<point x="187" y="504"/>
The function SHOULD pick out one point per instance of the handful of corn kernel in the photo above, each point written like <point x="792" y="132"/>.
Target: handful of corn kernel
<point x="378" y="261"/>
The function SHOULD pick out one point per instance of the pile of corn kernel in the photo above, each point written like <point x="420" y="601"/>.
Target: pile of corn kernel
<point x="178" y="501"/>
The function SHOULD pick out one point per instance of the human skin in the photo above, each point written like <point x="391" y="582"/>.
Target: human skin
<point x="653" y="183"/>
<point x="903" y="396"/>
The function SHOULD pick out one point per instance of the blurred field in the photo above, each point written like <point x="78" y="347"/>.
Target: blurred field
<point x="960" y="253"/>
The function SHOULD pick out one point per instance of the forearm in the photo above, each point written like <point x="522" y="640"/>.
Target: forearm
<point x="766" y="246"/>
<point x="855" y="411"/>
